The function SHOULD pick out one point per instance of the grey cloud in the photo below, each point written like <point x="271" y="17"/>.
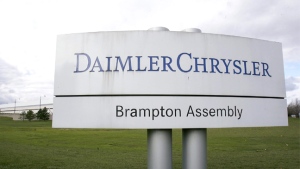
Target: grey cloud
<point x="5" y="95"/>
<point x="9" y="76"/>
<point x="24" y="85"/>
<point x="290" y="84"/>
<point x="8" y="73"/>
<point x="12" y="91"/>
<point x="5" y="99"/>
<point x="273" y="20"/>
<point x="268" y="18"/>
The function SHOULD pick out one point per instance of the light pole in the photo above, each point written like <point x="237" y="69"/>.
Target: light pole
<point x="41" y="101"/>
<point x="15" y="106"/>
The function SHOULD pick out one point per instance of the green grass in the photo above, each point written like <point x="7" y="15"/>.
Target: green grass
<point x="36" y="145"/>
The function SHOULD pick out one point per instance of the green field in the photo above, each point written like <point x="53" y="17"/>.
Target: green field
<point x="36" y="145"/>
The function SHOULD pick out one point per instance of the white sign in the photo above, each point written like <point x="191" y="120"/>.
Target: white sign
<point x="175" y="63"/>
<point x="167" y="112"/>
<point x="145" y="79"/>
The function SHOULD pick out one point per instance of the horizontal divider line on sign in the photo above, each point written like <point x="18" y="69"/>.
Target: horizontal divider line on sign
<point x="167" y="95"/>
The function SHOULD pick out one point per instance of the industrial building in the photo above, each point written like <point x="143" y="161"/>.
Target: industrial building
<point x="15" y="109"/>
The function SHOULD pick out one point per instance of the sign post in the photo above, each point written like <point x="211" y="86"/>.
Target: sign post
<point x="159" y="148"/>
<point x="163" y="80"/>
<point x="194" y="142"/>
<point x="159" y="140"/>
<point x="194" y="148"/>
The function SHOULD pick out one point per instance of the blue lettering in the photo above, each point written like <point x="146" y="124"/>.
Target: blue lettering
<point x="226" y="65"/>
<point x="139" y="64"/>
<point x="214" y="65"/>
<point x="77" y="64"/>
<point x="237" y="66"/>
<point x="108" y="64"/>
<point x="178" y="62"/>
<point x="167" y="64"/>
<point x="245" y="68"/>
<point x="265" y="69"/>
<point x="184" y="63"/>
<point x="98" y="65"/>
<point x="255" y="68"/>
<point x="203" y="64"/>
<point x="128" y="60"/>
<point x="153" y="63"/>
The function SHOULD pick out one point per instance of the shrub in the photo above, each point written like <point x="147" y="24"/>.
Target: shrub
<point x="30" y="115"/>
<point x="43" y="114"/>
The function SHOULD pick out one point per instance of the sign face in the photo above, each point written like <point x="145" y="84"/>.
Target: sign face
<point x="167" y="112"/>
<point x="137" y="79"/>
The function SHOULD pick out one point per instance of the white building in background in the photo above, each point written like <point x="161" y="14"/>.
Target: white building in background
<point x="15" y="109"/>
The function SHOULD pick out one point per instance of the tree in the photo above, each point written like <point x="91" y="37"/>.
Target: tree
<point x="43" y="114"/>
<point x="39" y="114"/>
<point x="294" y="108"/>
<point x="30" y="115"/>
<point x="23" y="115"/>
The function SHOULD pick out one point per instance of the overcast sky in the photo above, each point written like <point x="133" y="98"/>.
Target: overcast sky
<point x="29" y="29"/>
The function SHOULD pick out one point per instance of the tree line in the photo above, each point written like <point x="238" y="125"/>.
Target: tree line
<point x="42" y="114"/>
<point x="294" y="107"/>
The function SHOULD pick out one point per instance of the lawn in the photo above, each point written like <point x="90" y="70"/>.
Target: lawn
<point x="35" y="144"/>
